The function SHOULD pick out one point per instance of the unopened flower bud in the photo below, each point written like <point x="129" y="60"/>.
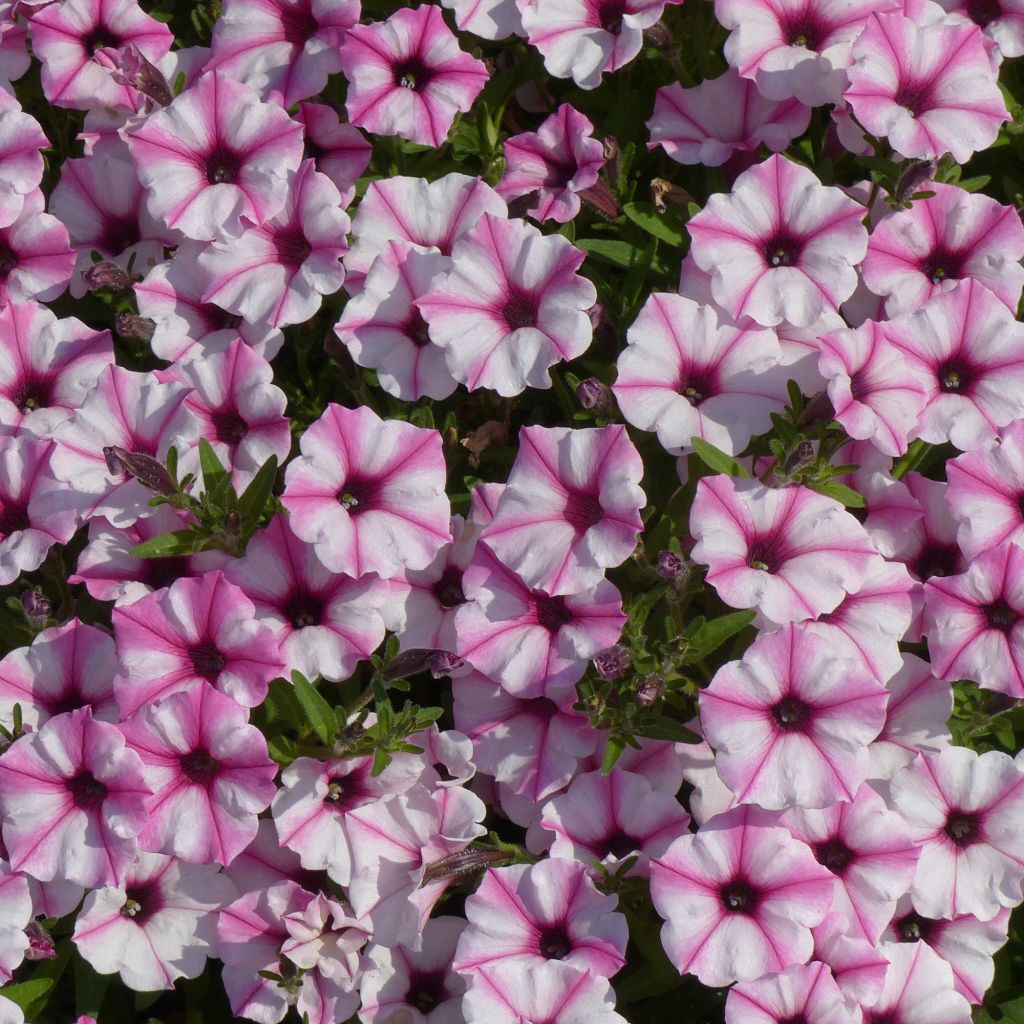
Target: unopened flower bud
<point x="139" y="73"/>
<point x="40" y="944"/>
<point x="131" y="325"/>
<point x="458" y="865"/>
<point x="664" y="194"/>
<point x="596" y="396"/>
<point x="649" y="689"/>
<point x="106" y="275"/>
<point x="521" y="205"/>
<point x="670" y="566"/>
<point x="444" y="663"/>
<point x="37" y="608"/>
<point x="658" y="35"/>
<point x="919" y="172"/>
<point x="801" y="456"/>
<point x="600" y="199"/>
<point x="612" y="663"/>
<point x="143" y="468"/>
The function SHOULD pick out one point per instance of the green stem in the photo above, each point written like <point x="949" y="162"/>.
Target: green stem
<point x="914" y="456"/>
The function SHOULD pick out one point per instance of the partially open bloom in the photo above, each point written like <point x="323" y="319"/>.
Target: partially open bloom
<point x="791" y="722"/>
<point x="687" y="373"/>
<point x="338" y="149"/>
<point x="369" y="493"/>
<point x="571" y="508"/>
<point x="780" y="246"/>
<point x="73" y="798"/>
<point x="512" y="305"/>
<point x="217" y="159"/>
<point x="739" y="898"/>
<point x="928" y="88"/>
<point x="709" y="122"/>
<point x="792" y="553"/>
<point x="407" y="76"/>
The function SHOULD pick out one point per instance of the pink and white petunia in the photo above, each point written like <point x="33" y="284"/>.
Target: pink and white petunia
<point x="963" y="809"/>
<point x="739" y="898"/>
<point x="125" y="409"/>
<point x="869" y="850"/>
<point x="792" y="553"/>
<point x="985" y="494"/>
<point x="720" y="117"/>
<point x="975" y="621"/>
<point x="73" y="796"/>
<point x="801" y="991"/>
<point x="16" y="911"/>
<point x="36" y="259"/>
<point x="488" y="19"/>
<point x="65" y="668"/>
<point x="369" y="494"/>
<point x="21" y="163"/>
<point x="434" y="215"/>
<point x="873" y="395"/>
<point x="1001" y="20"/>
<point x="195" y="631"/>
<point x="557" y="161"/>
<point x="583" y="39"/>
<point x="382" y="328"/>
<point x="397" y="980"/>
<point x="288" y="48"/>
<point x="533" y="913"/>
<point x="217" y="159"/>
<point x="279" y="272"/>
<point x="77" y="42"/>
<point x="407" y="76"/>
<point x="159" y="925"/>
<point x="919" y="987"/>
<point x="915" y="253"/>
<point x="687" y="372"/>
<point x="511" y="306"/>
<point x="338" y="149"/>
<point x="795" y="48"/>
<point x="611" y="817"/>
<point x="570" y="509"/>
<point x="791" y="722"/>
<point x="324" y="623"/>
<point x="780" y="246"/>
<point x="929" y="88"/>
<point x="209" y="773"/>
<point x="36" y="509"/>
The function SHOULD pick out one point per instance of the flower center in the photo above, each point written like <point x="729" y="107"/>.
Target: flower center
<point x="417" y="329"/>
<point x="834" y="854"/>
<point x="448" y="589"/>
<point x="792" y="714"/>
<point x="101" y="38"/>
<point x="782" y="250"/>
<point x="583" y="510"/>
<point x="292" y="248"/>
<point x="229" y="426"/>
<point x="13" y="518"/>
<point x="942" y="266"/>
<point x="554" y="942"/>
<point x="963" y="828"/>
<point x="739" y="897"/>
<point x="426" y="990"/>
<point x="32" y="392"/>
<point x="413" y="74"/>
<point x="913" y="927"/>
<point x="206" y="660"/>
<point x="955" y="377"/>
<point x="999" y="615"/>
<point x="199" y="767"/>
<point x="610" y="14"/>
<point x="619" y="845"/>
<point x="914" y="97"/>
<point x="552" y="612"/>
<point x="763" y="554"/>
<point x="297" y="23"/>
<point x="937" y="559"/>
<point x="803" y="29"/>
<point x="162" y="572"/>
<point x="221" y="167"/>
<point x="118" y="235"/>
<point x="141" y="902"/>
<point x="984" y="12"/>
<point x="520" y="310"/>
<point x="219" y="319"/>
<point x="303" y="609"/>
<point x="9" y="259"/>
<point x="86" y="792"/>
<point x="357" y="495"/>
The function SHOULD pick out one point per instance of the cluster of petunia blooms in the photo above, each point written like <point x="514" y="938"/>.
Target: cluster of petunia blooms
<point x="844" y="862"/>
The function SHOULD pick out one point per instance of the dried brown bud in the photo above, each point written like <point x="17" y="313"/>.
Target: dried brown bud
<point x="143" y="468"/>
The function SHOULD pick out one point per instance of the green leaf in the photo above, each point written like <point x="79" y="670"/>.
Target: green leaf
<point x="716" y="459"/>
<point x="33" y="994"/>
<point x="613" y="750"/>
<point x="254" y="498"/>
<point x="180" y="542"/>
<point x="619" y="254"/>
<point x="282" y="698"/>
<point x="664" y="226"/>
<point x="708" y="636"/>
<point x="214" y="473"/>
<point x="27" y="993"/>
<point x="90" y="988"/>
<point x="641" y="608"/>
<point x="319" y="714"/>
<point x="661" y="727"/>
<point x="846" y="495"/>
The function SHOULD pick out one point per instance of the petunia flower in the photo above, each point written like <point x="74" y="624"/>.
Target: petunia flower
<point x="1001" y="20"/>
<point x="686" y="371"/>
<point x="791" y="553"/>
<point x="557" y="161"/>
<point x="791" y="722"/>
<point x="739" y="898"/>
<point x="570" y="509"/>
<point x="928" y="88"/>
<point x="324" y="623"/>
<point x="66" y="667"/>
<point x="73" y="798"/>
<point x="533" y="913"/>
<point x="488" y="19"/>
<point x="511" y="306"/>
<point x="193" y="632"/>
<point x="963" y="809"/>
<point x="36" y="259"/>
<point x="16" y="913"/>
<point x="780" y="246"/>
<point x="75" y="41"/>
<point x="710" y="122"/>
<point x="337" y="149"/>
<point x="407" y="76"/>
<point x="916" y="253"/>
<point x="209" y="773"/>
<point x="801" y="990"/>
<point x="158" y="926"/>
<point x="279" y="272"/>
<point x="288" y="48"/>
<point x="583" y="39"/>
<point x="21" y="162"/>
<point x="217" y="159"/>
